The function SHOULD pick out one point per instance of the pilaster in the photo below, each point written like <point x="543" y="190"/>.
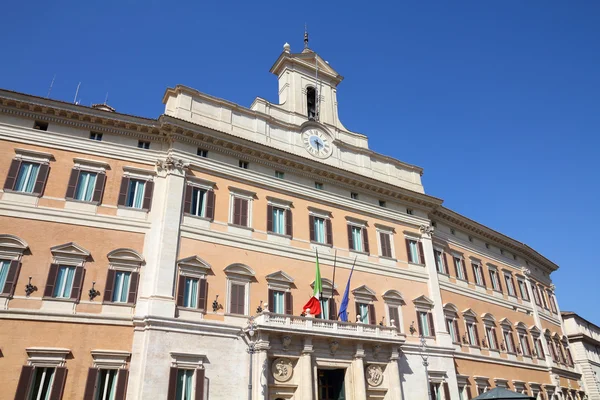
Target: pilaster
<point x="358" y="369"/>
<point x="306" y="368"/>
<point x="536" y="317"/>
<point x="393" y="376"/>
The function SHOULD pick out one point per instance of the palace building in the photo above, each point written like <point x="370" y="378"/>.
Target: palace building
<point x="170" y="258"/>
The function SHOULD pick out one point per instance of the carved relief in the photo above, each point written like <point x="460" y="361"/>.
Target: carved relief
<point x="286" y="341"/>
<point x="170" y="164"/>
<point x="333" y="346"/>
<point x="374" y="375"/>
<point x="282" y="369"/>
<point x="426" y="230"/>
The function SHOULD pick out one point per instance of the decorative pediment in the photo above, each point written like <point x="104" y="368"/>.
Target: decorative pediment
<point x="326" y="283"/>
<point x="280" y="277"/>
<point x="194" y="262"/>
<point x="363" y="291"/>
<point x="450" y="308"/>
<point x="506" y="323"/>
<point x="12" y="246"/>
<point x="487" y="317"/>
<point x="393" y="296"/>
<point x="124" y="256"/>
<point x="240" y="270"/>
<point x="535" y="331"/>
<point x="423" y="301"/>
<point x="469" y="313"/>
<point x="547" y="332"/>
<point x="69" y="253"/>
<point x="308" y="59"/>
<point x="556" y="336"/>
<point x="521" y="326"/>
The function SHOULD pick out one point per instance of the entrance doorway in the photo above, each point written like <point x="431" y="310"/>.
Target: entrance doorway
<point x="331" y="384"/>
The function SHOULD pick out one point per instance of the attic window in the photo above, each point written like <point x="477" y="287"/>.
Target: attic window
<point x="382" y="203"/>
<point x="311" y="102"/>
<point x="96" y="136"/>
<point x="142" y="144"/>
<point x="40" y="126"/>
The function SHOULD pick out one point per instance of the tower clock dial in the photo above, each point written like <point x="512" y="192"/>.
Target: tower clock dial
<point x="317" y="143"/>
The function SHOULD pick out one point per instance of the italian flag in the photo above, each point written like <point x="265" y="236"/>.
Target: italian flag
<point x="314" y="304"/>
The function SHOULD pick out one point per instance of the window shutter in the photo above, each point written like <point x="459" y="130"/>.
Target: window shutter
<point x="11" y="178"/>
<point x="133" y="287"/>
<point x="210" y="204"/>
<point x="11" y="278"/>
<point x="432" y="391"/>
<point x="90" y="384"/>
<point x="329" y="232"/>
<point x="476" y="335"/>
<point x="51" y="281"/>
<point x="199" y="385"/>
<point x="72" y="185"/>
<point x="172" y="393"/>
<point x="482" y="275"/>
<point x="468" y="390"/>
<point x="245" y="213"/>
<point x="419" y="322"/>
<point x="187" y="199"/>
<point x="241" y="299"/>
<point x="495" y="337"/>
<point x="394" y="315"/>
<point x="110" y="283"/>
<point x="289" y="230"/>
<point x="289" y="305"/>
<point x="431" y="326"/>
<point x="271" y="300"/>
<point x="332" y="309"/>
<point x="455" y="322"/>
<point x="40" y="182"/>
<point x="455" y="266"/>
<point x="77" y="283"/>
<point x="409" y="254"/>
<point x="446" y="391"/>
<point x="237" y="211"/>
<point x="527" y="345"/>
<point x="421" y="253"/>
<point x="500" y="283"/>
<point x="233" y="301"/>
<point x="148" y="191"/>
<point x="269" y="218"/>
<point x="474" y="273"/>
<point x="513" y="285"/>
<point x="24" y="382"/>
<point x="446" y="263"/>
<point x="123" y="191"/>
<point x="384" y="244"/>
<point x="372" y="319"/>
<point x="357" y="306"/>
<point x="365" y="237"/>
<point x="181" y="291"/>
<point x="202" y="294"/>
<point x="311" y="227"/>
<point x="58" y="384"/>
<point x="99" y="189"/>
<point x="464" y="268"/>
<point x="350" y="241"/>
<point x="123" y="375"/>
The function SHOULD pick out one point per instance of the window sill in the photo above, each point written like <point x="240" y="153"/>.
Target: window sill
<point x="130" y="212"/>
<point x="195" y="310"/>
<point x="78" y="205"/>
<point x="364" y="253"/>
<point x="248" y="228"/>
<point x="321" y="244"/>
<point x="117" y="304"/>
<point x="20" y="197"/>
<point x="281" y="235"/>
<point x="388" y="258"/>
<point x="198" y="217"/>
<point x="61" y="299"/>
<point x="28" y="194"/>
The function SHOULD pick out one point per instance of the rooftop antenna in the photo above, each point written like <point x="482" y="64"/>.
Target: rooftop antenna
<point x="106" y="98"/>
<point x="305" y="36"/>
<point x="76" y="93"/>
<point x="51" y="84"/>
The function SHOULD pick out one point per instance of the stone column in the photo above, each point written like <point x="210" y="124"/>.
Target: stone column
<point x="393" y="374"/>
<point x="260" y="381"/>
<point x="358" y="369"/>
<point x="536" y="316"/>
<point x="442" y="336"/>
<point x="305" y="366"/>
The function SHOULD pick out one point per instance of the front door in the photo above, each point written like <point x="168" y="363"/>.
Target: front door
<point x="331" y="384"/>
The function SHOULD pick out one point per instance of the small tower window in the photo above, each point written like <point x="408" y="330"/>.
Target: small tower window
<point x="311" y="102"/>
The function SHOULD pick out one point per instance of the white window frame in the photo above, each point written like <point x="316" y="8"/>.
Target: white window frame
<point x="324" y="215"/>
<point x="478" y="273"/>
<point x="239" y="274"/>
<point x="244" y="195"/>
<point x="470" y="318"/>
<point x="508" y="281"/>
<point x="190" y="362"/>
<point x="139" y="174"/>
<point x="523" y="291"/>
<point x="361" y="226"/>
<point x="202" y="184"/>
<point x="281" y="204"/>
<point x="424" y="304"/>
<point x="388" y="231"/>
<point x="280" y="282"/>
<point x="496" y="285"/>
<point x="442" y="260"/>
<point x="451" y="314"/>
<point x="393" y="299"/>
<point x="411" y="236"/>
<point x="462" y="267"/>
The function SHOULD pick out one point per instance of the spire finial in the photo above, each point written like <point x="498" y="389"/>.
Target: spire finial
<point x="305" y="37"/>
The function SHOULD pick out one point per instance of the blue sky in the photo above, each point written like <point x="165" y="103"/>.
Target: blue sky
<point x="498" y="101"/>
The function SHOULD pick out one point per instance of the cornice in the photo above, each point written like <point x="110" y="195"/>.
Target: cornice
<point x="501" y="361"/>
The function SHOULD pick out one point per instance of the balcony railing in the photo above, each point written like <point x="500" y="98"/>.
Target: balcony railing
<point x="318" y="326"/>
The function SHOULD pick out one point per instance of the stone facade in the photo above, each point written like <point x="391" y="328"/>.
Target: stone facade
<point x="584" y="340"/>
<point x="139" y="254"/>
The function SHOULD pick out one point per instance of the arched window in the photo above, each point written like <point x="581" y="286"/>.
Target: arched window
<point x="311" y="102"/>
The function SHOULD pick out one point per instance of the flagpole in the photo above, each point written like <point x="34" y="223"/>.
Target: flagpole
<point x="321" y="291"/>
<point x="333" y="282"/>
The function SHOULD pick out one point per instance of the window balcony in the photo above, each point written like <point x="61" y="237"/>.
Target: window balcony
<point x="327" y="328"/>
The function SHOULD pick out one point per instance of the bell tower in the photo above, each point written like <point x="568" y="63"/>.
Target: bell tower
<point x="307" y="85"/>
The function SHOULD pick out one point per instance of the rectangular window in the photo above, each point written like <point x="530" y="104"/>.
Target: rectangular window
<point x="541" y="293"/>
<point x="409" y="211"/>
<point x="201" y="152"/>
<point x="121" y="290"/>
<point x="135" y="193"/>
<point x="107" y="384"/>
<point x="320" y="236"/>
<point x="27" y="177"/>
<point x="386" y="244"/>
<point x="552" y="301"/>
<point x="472" y="332"/>
<point x="64" y="282"/>
<point x="357" y="239"/>
<point x="413" y="252"/>
<point x="278" y="305"/>
<point x="354" y="196"/>
<point x="439" y="262"/>
<point x="539" y="349"/>
<point x="536" y="296"/>
<point x="190" y="293"/>
<point x="494" y="279"/>
<point x="240" y="211"/>
<point x="491" y="337"/>
<point x="478" y="275"/>
<point x="424" y="323"/>
<point x="96" y="136"/>
<point x="451" y="330"/>
<point x="382" y="203"/>
<point x="523" y="290"/>
<point x="198" y="207"/>
<point x="524" y="345"/>
<point x="318" y="185"/>
<point x="325" y="308"/>
<point x="508" y="340"/>
<point x="279" y="221"/>
<point x="85" y="186"/>
<point x="460" y="268"/>
<point x="364" y="312"/>
<point x="279" y="175"/>
<point x="40" y="125"/>
<point x="42" y="383"/>
<point x="185" y="384"/>
<point x="237" y="299"/>
<point x="509" y="285"/>
<point x="4" y="267"/>
<point x="244" y="164"/>
<point x="142" y="144"/>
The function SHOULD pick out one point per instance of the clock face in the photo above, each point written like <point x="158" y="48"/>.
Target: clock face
<point x="317" y="143"/>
